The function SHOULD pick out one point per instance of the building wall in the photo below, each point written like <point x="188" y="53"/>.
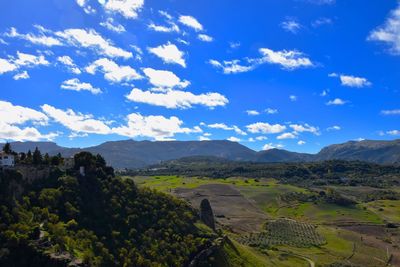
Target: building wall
<point x="6" y="160"/>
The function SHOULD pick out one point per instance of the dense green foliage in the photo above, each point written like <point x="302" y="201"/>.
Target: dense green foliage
<point x="95" y="220"/>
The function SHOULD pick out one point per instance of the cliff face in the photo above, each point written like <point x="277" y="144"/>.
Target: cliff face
<point x="206" y="214"/>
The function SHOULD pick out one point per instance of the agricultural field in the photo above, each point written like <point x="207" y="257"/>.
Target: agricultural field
<point x="278" y="224"/>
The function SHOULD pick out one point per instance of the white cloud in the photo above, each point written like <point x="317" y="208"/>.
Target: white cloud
<point x="300" y="128"/>
<point x="271" y="111"/>
<point x="21" y="76"/>
<point x="40" y="39"/>
<point x="230" y="67"/>
<point x="288" y="59"/>
<point x="169" y="53"/>
<point x="112" y="71"/>
<point x="234" y="45"/>
<point x="177" y="99"/>
<point x="233" y="139"/>
<point x="76" y="85"/>
<point x="12" y="116"/>
<point x="322" y="2"/>
<point x="271" y="146"/>
<point x="112" y="26"/>
<point x="324" y="93"/>
<point x="291" y="25"/>
<point x="127" y="8"/>
<point x="393" y="132"/>
<point x="67" y="61"/>
<point x="352" y="81"/>
<point x="191" y="22"/>
<point x="293" y="98"/>
<point x="225" y="127"/>
<point x="301" y="142"/>
<point x="160" y="28"/>
<point x="334" y="128"/>
<point x="204" y="138"/>
<point x="205" y="38"/>
<point x="164" y="79"/>
<point x="391" y="112"/>
<point x="389" y="32"/>
<point x="321" y="21"/>
<point x="286" y="136"/>
<point x="87" y="8"/>
<point x="29" y="60"/>
<point x="156" y="127"/>
<point x="261" y="138"/>
<point x="336" y="102"/>
<point x="76" y="122"/>
<point x="252" y="112"/>
<point x="6" y="66"/>
<point x="91" y="39"/>
<point x="265" y="128"/>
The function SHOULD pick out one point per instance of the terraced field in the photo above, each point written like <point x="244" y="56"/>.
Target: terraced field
<point x="285" y="232"/>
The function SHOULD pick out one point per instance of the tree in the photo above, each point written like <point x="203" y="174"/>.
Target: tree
<point x="7" y="148"/>
<point x="37" y="157"/>
<point x="29" y="157"/>
<point x="46" y="159"/>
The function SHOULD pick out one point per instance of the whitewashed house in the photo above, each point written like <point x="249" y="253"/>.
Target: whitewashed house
<point x="6" y="160"/>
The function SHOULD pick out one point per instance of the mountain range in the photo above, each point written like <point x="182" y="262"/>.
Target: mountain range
<point x="138" y="154"/>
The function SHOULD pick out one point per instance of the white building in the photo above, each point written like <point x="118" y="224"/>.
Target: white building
<point x="6" y="160"/>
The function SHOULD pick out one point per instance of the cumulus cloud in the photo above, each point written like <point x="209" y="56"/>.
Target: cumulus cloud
<point x="336" y="102"/>
<point x="156" y="127"/>
<point x="333" y="128"/>
<point x="301" y="142"/>
<point x="291" y="25"/>
<point x="265" y="128"/>
<point x="76" y="85"/>
<point x="321" y="21"/>
<point x="111" y="25"/>
<point x="191" y="22"/>
<point x="39" y="39"/>
<point x="6" y="66"/>
<point x="21" y="76"/>
<point x="293" y="98"/>
<point x="205" y="38"/>
<point x="169" y="53"/>
<point x="230" y="66"/>
<point x="127" y="8"/>
<point x="270" y="146"/>
<point x="93" y="40"/>
<point x="287" y="59"/>
<point x="252" y="112"/>
<point x="112" y="71"/>
<point x="389" y="32"/>
<point x="393" y="132"/>
<point x="177" y="99"/>
<point x="353" y="81"/>
<point x="233" y="139"/>
<point x="29" y="60"/>
<point x="85" y="6"/>
<point x="67" y="61"/>
<point x="164" y="79"/>
<point x="391" y="112"/>
<point x="223" y="126"/>
<point x="12" y="117"/>
<point x="286" y="136"/>
<point x="301" y="128"/>
<point x="271" y="111"/>
<point x="161" y="28"/>
<point x="76" y="121"/>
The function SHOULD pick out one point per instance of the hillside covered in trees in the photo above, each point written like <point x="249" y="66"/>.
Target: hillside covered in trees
<point x="95" y="219"/>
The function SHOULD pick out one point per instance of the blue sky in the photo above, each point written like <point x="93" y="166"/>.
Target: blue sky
<point x="292" y="74"/>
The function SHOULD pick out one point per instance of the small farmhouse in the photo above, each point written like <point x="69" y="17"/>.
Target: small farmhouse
<point x="6" y="160"/>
